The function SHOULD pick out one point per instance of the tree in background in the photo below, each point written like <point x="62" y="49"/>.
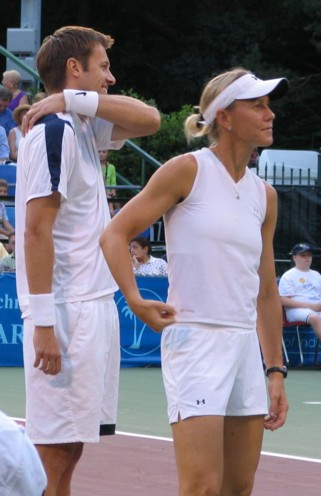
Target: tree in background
<point x="166" y="51"/>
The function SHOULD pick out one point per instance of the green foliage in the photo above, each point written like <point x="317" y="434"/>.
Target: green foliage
<point x="170" y="139"/>
<point x="167" y="51"/>
<point x="168" y="142"/>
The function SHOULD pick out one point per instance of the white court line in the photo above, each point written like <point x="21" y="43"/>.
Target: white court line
<point x="168" y="439"/>
<point x="265" y="453"/>
<point x="292" y="457"/>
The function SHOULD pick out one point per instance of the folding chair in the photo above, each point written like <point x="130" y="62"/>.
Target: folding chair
<point x="286" y="356"/>
<point x="297" y="324"/>
<point x="316" y="353"/>
<point x="10" y="209"/>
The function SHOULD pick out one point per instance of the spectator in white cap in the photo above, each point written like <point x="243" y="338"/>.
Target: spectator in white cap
<point x="21" y="470"/>
<point x="219" y="225"/>
<point x="300" y="289"/>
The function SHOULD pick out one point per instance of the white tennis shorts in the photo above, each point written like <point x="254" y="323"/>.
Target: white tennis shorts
<point x="209" y="370"/>
<point x="80" y="402"/>
<point x="300" y="314"/>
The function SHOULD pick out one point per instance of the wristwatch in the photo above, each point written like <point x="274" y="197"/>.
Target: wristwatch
<point x="283" y="370"/>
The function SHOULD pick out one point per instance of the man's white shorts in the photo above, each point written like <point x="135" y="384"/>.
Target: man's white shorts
<point x="80" y="402"/>
<point x="300" y="314"/>
<point x="210" y="370"/>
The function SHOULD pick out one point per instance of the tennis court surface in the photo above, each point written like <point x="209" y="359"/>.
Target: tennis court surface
<point x="139" y="459"/>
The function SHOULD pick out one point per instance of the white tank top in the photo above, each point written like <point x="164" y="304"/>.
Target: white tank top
<point x="214" y="244"/>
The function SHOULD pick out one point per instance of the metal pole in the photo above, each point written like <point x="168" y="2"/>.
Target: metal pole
<point x="31" y="17"/>
<point x="319" y="170"/>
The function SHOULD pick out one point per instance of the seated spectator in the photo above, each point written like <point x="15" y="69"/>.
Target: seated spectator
<point x="300" y="289"/>
<point x="3" y="186"/>
<point x="6" y="117"/>
<point x="144" y="264"/>
<point x="4" y="146"/>
<point x="15" y="134"/>
<point x="21" y="470"/>
<point x="8" y="263"/>
<point x="39" y="96"/>
<point x="3" y="192"/>
<point x="11" y="80"/>
<point x="109" y="175"/>
<point x="5" y="226"/>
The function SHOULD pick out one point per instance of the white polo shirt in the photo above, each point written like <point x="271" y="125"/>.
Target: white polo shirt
<point x="60" y="154"/>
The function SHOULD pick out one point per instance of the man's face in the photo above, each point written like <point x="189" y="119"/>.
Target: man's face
<point x="98" y="76"/>
<point x="3" y="105"/>
<point x="3" y="191"/>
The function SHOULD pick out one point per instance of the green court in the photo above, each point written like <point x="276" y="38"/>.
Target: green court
<point x="142" y="408"/>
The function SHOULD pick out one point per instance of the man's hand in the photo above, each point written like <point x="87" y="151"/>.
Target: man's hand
<point x="47" y="349"/>
<point x="49" y="105"/>
<point x="278" y="403"/>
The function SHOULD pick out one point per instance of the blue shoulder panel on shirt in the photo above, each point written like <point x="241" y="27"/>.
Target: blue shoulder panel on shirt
<point x="54" y="131"/>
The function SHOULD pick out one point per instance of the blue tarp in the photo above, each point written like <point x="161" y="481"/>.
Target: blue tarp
<point x="140" y="346"/>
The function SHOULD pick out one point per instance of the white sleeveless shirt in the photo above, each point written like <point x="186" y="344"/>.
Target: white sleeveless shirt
<point x="214" y="245"/>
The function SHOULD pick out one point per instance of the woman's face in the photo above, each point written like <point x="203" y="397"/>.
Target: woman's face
<point x="138" y="251"/>
<point x="251" y="121"/>
<point x="6" y="82"/>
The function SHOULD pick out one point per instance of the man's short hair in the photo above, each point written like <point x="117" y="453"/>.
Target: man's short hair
<point x="65" y="43"/>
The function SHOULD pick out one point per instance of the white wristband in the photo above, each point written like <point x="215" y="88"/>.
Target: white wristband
<point x="81" y="102"/>
<point x="42" y="309"/>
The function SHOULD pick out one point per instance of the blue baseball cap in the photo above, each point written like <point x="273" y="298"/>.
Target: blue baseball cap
<point x="300" y="248"/>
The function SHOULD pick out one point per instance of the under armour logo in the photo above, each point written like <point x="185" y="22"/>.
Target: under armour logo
<point x="81" y="93"/>
<point x="198" y="402"/>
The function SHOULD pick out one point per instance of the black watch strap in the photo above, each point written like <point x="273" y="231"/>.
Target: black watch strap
<point x="283" y="370"/>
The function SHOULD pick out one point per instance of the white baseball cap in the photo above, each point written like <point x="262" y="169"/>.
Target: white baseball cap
<point x="21" y="470"/>
<point x="245" y="88"/>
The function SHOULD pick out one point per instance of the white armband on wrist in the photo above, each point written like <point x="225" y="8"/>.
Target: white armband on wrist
<point x="42" y="309"/>
<point x="81" y="102"/>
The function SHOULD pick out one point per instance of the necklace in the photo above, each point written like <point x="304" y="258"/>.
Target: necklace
<point x="219" y="158"/>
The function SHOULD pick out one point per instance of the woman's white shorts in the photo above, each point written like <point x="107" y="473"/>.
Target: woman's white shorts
<point x="209" y="370"/>
<point x="79" y="403"/>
